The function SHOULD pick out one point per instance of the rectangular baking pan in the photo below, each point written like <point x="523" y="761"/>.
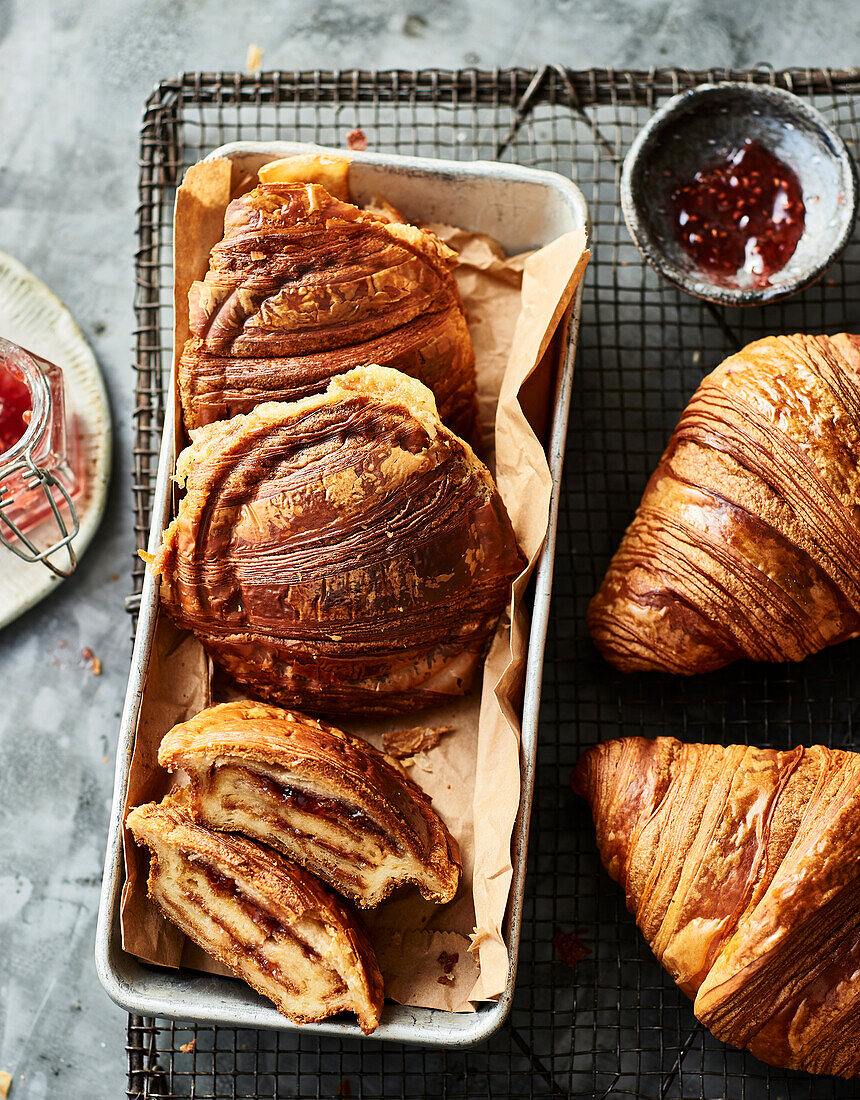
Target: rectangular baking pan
<point x="522" y="208"/>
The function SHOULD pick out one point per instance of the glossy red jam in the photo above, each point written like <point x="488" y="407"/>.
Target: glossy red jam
<point x="15" y="405"/>
<point x="742" y="213"/>
<point x="32" y="395"/>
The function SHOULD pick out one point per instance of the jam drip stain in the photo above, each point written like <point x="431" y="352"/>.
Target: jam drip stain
<point x="741" y="213"/>
<point x="15" y="406"/>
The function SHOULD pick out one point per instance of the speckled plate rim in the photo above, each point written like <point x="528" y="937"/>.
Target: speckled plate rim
<point x="728" y="296"/>
<point x="45" y="325"/>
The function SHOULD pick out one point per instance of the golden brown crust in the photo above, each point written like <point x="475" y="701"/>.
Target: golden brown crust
<point x="304" y="287"/>
<point x="747" y="539"/>
<point x="343" y="553"/>
<point x="259" y="768"/>
<point x="305" y="950"/>
<point x="742" y="868"/>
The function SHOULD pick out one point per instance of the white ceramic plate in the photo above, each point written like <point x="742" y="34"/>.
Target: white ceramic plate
<point x="34" y="317"/>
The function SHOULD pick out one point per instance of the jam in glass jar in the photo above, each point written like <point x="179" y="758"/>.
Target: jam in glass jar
<point x="39" y="460"/>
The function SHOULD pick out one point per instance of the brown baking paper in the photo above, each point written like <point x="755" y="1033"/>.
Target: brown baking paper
<point x="431" y="956"/>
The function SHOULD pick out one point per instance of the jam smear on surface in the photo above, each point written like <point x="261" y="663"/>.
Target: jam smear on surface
<point x="743" y="212"/>
<point x="15" y="406"/>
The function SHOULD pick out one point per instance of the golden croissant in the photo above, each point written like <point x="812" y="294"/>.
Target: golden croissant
<point x="265" y="918"/>
<point x="742" y="868"/>
<point x="342" y="553"/>
<point x="747" y="540"/>
<point x="305" y="286"/>
<point x="328" y="800"/>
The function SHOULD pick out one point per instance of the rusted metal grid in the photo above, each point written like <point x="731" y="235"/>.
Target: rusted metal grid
<point x="614" y="1026"/>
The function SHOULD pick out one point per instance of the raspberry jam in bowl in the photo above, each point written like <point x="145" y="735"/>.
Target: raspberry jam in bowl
<point x="739" y="193"/>
<point x="40" y="461"/>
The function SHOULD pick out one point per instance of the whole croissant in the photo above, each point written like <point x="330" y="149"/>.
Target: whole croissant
<point x="742" y="868"/>
<point x="303" y="287"/>
<point x="747" y="540"/>
<point x="344" y="552"/>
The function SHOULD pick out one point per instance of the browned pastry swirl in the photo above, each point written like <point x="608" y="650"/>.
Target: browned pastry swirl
<point x="343" y="553"/>
<point x="328" y="800"/>
<point x="747" y="540"/>
<point x="265" y="918"/>
<point x="303" y="287"/>
<point x="742" y="868"/>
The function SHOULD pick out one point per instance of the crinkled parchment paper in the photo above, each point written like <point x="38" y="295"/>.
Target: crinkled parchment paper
<point x="436" y="957"/>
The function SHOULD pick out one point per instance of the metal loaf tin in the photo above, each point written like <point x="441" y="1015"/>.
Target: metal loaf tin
<point x="523" y="209"/>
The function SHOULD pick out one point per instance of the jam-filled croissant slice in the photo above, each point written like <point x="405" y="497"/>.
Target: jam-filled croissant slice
<point x="328" y="800"/>
<point x="267" y="920"/>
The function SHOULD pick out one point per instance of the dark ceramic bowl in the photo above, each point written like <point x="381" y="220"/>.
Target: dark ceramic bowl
<point x="707" y="122"/>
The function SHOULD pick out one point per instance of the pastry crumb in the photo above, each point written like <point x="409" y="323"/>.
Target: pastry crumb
<point x="410" y="742"/>
<point x="356" y="141"/>
<point x="94" y="662"/>
<point x="477" y="938"/>
<point x="423" y="763"/>
<point x="189" y="1048"/>
<point x="253" y="59"/>
<point x="569" y="947"/>
<point x="448" y="960"/>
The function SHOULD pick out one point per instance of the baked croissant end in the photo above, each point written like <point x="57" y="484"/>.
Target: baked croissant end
<point x="328" y="800"/>
<point x="303" y="287"/>
<point x="342" y="553"/>
<point x="264" y="918"/>
<point x="742" y="868"/>
<point x="747" y="540"/>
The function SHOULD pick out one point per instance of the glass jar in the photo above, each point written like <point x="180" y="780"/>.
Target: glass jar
<point x="39" y="472"/>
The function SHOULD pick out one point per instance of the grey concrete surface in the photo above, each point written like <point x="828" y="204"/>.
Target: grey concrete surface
<point x="75" y="74"/>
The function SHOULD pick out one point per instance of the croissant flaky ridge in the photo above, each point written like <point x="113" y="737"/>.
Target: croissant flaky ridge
<point x="303" y="287"/>
<point x="326" y="799"/>
<point x="747" y="541"/>
<point x="742" y="868"/>
<point x="266" y="919"/>
<point x="342" y="553"/>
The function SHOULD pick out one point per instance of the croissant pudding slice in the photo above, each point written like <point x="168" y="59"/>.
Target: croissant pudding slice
<point x="305" y="286"/>
<point x="342" y="553"/>
<point x="267" y="920"/>
<point x="329" y="801"/>
<point x="742" y="868"/>
<point x="747" y="541"/>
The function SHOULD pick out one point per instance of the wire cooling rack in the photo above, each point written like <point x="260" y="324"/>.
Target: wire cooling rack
<point x="614" y="1025"/>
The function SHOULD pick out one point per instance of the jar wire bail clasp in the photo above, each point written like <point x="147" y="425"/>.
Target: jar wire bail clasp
<point x="56" y="494"/>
